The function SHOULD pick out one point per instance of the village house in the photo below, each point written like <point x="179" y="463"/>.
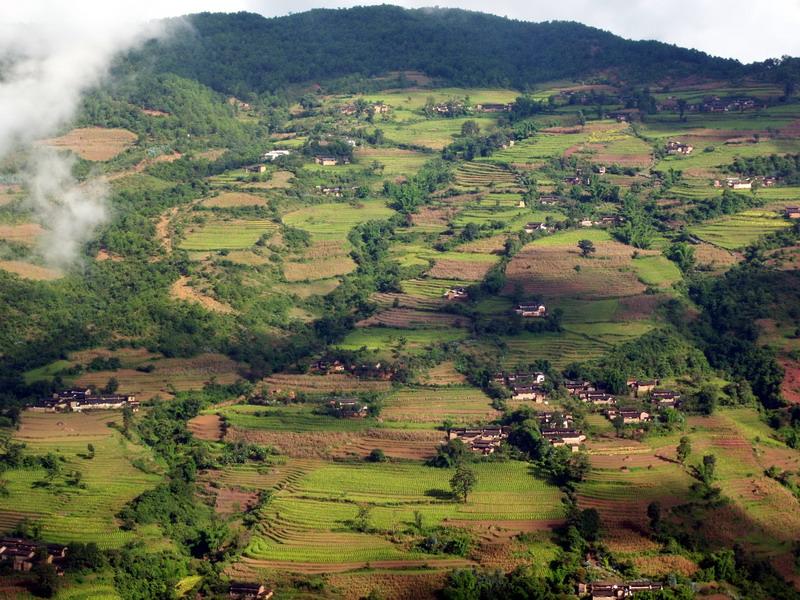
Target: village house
<point x="525" y="378"/>
<point x="556" y="420"/>
<point x="629" y="417"/>
<point x="739" y="184"/>
<point x="576" y="388"/>
<point x="494" y="108"/>
<point x="380" y="108"/>
<point x="326" y="367"/>
<point x="255" y="169"/>
<point x="239" y="590"/>
<point x="349" y="408"/>
<point x="373" y="371"/>
<point x="275" y="154"/>
<point x="484" y="439"/>
<point x="601" y="170"/>
<point x="610" y="220"/>
<point x="609" y="591"/>
<point x="549" y="200"/>
<point x="675" y="147"/>
<point x="529" y="392"/>
<point x="665" y="398"/>
<point x="564" y="437"/>
<point x="327" y="161"/>
<point x="642" y="386"/>
<point x="792" y="212"/>
<point x="536" y="226"/>
<point x="456" y="293"/>
<point x="80" y="400"/>
<point x="531" y="310"/>
<point x="599" y="398"/>
<point x="23" y="554"/>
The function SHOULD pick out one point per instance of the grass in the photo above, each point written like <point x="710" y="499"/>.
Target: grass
<point x="334" y="221"/>
<point x="657" y="271"/>
<point x="226" y="235"/>
<point x="432" y="133"/>
<point x="739" y="230"/>
<point x="382" y="339"/>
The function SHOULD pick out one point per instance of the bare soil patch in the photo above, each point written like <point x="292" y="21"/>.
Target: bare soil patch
<point x="95" y="143"/>
<point x="790" y="388"/>
<point x="206" y="427"/>
<point x="230" y="501"/>
<point x="29" y="271"/>
<point x="233" y="200"/>
<point x="460" y="269"/>
<point x="413" y="319"/>
<point x="26" y="233"/>
<point x="182" y="290"/>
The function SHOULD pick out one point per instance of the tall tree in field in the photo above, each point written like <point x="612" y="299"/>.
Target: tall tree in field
<point x="470" y="129"/>
<point x="682" y="104"/>
<point x="463" y="482"/>
<point x="684" y="449"/>
<point x="587" y="247"/>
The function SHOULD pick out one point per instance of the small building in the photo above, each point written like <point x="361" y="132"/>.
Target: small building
<point x="255" y="169"/>
<point x="529" y="392"/>
<point x="456" y="293"/>
<point x="564" y="437"/>
<point x="275" y="154"/>
<point x="380" y="108"/>
<point x="326" y="161"/>
<point x="599" y="398"/>
<point x="249" y="591"/>
<point x="489" y="107"/>
<point x="484" y="440"/>
<point x="348" y="409"/>
<point x="740" y="184"/>
<point x="665" y="398"/>
<point x="642" y="386"/>
<point x="792" y="212"/>
<point x="675" y="147"/>
<point x="549" y="200"/>
<point x="326" y="367"/>
<point x="536" y="226"/>
<point x="575" y="388"/>
<point x="554" y="420"/>
<point x="630" y="417"/>
<point x="527" y="311"/>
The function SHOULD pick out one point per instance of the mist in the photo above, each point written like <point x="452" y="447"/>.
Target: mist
<point x="47" y="62"/>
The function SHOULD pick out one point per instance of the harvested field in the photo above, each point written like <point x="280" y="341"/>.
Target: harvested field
<point x="549" y="269"/>
<point x="433" y="218"/>
<point x="662" y="565"/>
<point x="283" y="382"/>
<point x="229" y="501"/>
<point x="280" y="180"/>
<point x="180" y="374"/>
<point x="234" y="199"/>
<point x="182" y="290"/>
<point x="490" y="245"/>
<point x="398" y="444"/>
<point x="393" y="299"/>
<point x="29" y="271"/>
<point x="639" y="308"/>
<point x="708" y="254"/>
<point x="323" y="260"/>
<point x="95" y="143"/>
<point x="26" y="233"/>
<point x="413" y="319"/>
<point x="206" y="427"/>
<point x="463" y="270"/>
<point x="392" y="586"/>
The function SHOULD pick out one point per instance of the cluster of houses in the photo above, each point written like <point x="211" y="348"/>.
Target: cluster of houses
<point x="747" y="183"/>
<point x="792" y="212"/>
<point x="348" y="408"/>
<point x="482" y="440"/>
<point x="378" y="108"/>
<point x="531" y="311"/>
<point x="675" y="147"/>
<point x="615" y="590"/>
<point x="489" y="107"/>
<point x="337" y="191"/>
<point x="535" y="226"/>
<point x="240" y="590"/>
<point x="558" y="429"/>
<point x="22" y="554"/>
<point x="80" y="400"/>
<point x="523" y="386"/>
<point x="377" y="370"/>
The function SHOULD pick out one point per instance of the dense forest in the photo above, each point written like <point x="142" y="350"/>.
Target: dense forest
<point x="245" y="53"/>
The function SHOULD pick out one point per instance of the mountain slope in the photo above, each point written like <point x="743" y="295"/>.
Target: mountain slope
<point x="246" y="52"/>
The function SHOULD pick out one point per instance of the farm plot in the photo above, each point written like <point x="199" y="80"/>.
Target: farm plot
<point x="552" y="267"/>
<point x="406" y="318"/>
<point x="25" y="233"/>
<point x="28" y="270"/>
<point x="483" y="175"/>
<point x="322" y="384"/>
<point x="560" y="349"/>
<point x="464" y="267"/>
<point x="431" y="289"/>
<point x="323" y="260"/>
<point x="657" y="271"/>
<point x="307" y="522"/>
<point x="383" y="339"/>
<point x="334" y="221"/>
<point x="432" y="133"/>
<point x="739" y="230"/>
<point x="94" y="143"/>
<point x="235" y="234"/>
<point x="234" y="199"/>
<point x="74" y="513"/>
<point x="538" y="148"/>
<point x="462" y="405"/>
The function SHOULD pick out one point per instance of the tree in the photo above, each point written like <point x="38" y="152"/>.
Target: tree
<point x="377" y="456"/>
<point x="470" y="129"/>
<point x="654" y="514"/>
<point x="589" y="524"/>
<point x="708" y="470"/>
<point x="682" y="254"/>
<point x="361" y="522"/>
<point x="463" y="482"/>
<point x="47" y="581"/>
<point x="682" y="104"/>
<point x="586" y="247"/>
<point x="684" y="449"/>
<point x="112" y="385"/>
<point x="90" y="450"/>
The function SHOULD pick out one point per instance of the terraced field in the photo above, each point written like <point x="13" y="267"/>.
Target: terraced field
<point x="334" y="221"/>
<point x="382" y="339"/>
<point x="72" y="513"/>
<point x="226" y="235"/>
<point x="482" y="175"/>
<point x="463" y="405"/>
<point x="737" y="231"/>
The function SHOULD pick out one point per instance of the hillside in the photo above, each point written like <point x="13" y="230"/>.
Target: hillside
<point x="243" y="52"/>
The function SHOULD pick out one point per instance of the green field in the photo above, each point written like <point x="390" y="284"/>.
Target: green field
<point x="298" y="418"/>
<point x="657" y="271"/>
<point x="432" y="133"/>
<point x="739" y="230"/>
<point x="382" y="339"/>
<point x="226" y="235"/>
<point x="334" y="221"/>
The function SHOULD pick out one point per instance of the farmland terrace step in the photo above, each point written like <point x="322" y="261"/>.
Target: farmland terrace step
<point x="319" y="568"/>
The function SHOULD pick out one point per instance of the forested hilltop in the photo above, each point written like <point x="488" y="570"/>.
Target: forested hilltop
<point x="245" y="52"/>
